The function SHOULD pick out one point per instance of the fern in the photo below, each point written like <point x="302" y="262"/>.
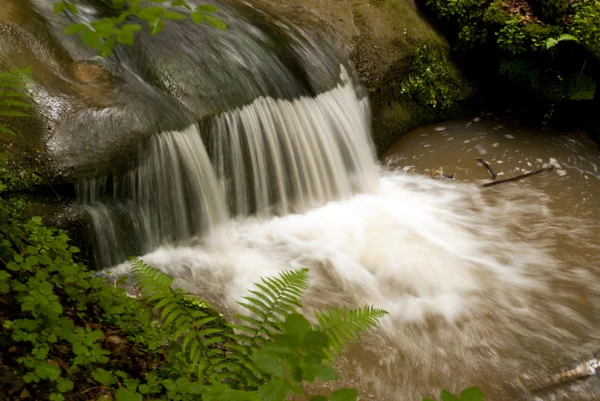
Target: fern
<point x="188" y="325"/>
<point x="12" y="95"/>
<point x="551" y="42"/>
<point x="341" y="324"/>
<point x="275" y="339"/>
<point x="277" y="298"/>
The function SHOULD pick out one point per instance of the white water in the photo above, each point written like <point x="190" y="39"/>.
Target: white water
<point x="483" y="287"/>
<point x="416" y="247"/>
<point x="271" y="157"/>
<point x="474" y="293"/>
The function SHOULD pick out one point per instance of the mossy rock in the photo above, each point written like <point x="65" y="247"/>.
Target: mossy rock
<point x="382" y="38"/>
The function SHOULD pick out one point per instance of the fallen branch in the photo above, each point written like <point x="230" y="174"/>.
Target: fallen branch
<point x="517" y="178"/>
<point x="581" y="371"/>
<point x="488" y="167"/>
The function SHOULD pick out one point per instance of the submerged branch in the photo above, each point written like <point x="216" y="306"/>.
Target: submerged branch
<point x="488" y="167"/>
<point x="517" y="178"/>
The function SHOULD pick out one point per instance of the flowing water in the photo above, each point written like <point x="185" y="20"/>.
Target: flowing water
<point x="494" y="287"/>
<point x="228" y="156"/>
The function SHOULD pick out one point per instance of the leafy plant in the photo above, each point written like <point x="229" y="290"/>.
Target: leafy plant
<point x="271" y="353"/>
<point x="14" y="96"/>
<point x="430" y="81"/>
<point x="551" y="42"/>
<point x="496" y="35"/>
<point x="104" y="34"/>
<point x="468" y="394"/>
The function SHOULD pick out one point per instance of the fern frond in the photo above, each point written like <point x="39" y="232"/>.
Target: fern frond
<point x="12" y="113"/>
<point x="276" y="297"/>
<point x="551" y="42"/>
<point x="14" y="103"/>
<point x="13" y="85"/>
<point x="188" y="325"/>
<point x="341" y="324"/>
<point x="7" y="130"/>
<point x="13" y="93"/>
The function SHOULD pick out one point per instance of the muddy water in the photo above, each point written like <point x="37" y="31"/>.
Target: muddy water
<point x="558" y="212"/>
<point x="493" y="287"/>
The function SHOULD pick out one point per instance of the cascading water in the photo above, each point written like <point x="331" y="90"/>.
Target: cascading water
<point x="269" y="157"/>
<point x="488" y="287"/>
<point x="227" y="156"/>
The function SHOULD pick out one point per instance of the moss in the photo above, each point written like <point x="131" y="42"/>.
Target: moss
<point x="495" y="13"/>
<point x="426" y="88"/>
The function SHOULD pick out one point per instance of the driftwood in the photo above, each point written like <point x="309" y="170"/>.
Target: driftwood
<point x="487" y="167"/>
<point x="584" y="370"/>
<point x="517" y="178"/>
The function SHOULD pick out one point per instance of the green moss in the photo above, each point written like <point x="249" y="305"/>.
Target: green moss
<point x="13" y="180"/>
<point x="495" y="14"/>
<point x="432" y="81"/>
<point x="427" y="87"/>
<point x="585" y="25"/>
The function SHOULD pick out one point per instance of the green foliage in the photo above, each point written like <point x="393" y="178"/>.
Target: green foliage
<point x="270" y="354"/>
<point x="551" y="42"/>
<point x="14" y="96"/>
<point x="431" y="82"/>
<point x="341" y="325"/>
<point x="511" y="35"/>
<point x="68" y="331"/>
<point x="468" y="394"/>
<point x="585" y="25"/>
<point x="59" y="321"/>
<point x="104" y="34"/>
<point x="12" y="181"/>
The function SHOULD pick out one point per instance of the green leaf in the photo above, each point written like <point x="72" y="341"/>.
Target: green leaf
<point x="327" y="373"/>
<point x="269" y="364"/>
<point x="156" y="25"/>
<point x="64" y="385"/>
<point x="144" y="389"/>
<point x="206" y="8"/>
<point x="72" y="8"/>
<point x="197" y="17"/>
<point x="45" y="287"/>
<point x="124" y="394"/>
<point x="297" y="326"/>
<point x="131" y="27"/>
<point x="118" y="4"/>
<point x="274" y="390"/>
<point x="75" y="28"/>
<point x="60" y="7"/>
<point x="150" y="13"/>
<point x="126" y="38"/>
<point x="215" y="22"/>
<point x="448" y="396"/>
<point x="173" y="16"/>
<point x="91" y="39"/>
<point x="107" y="47"/>
<point x="345" y="394"/>
<point x="471" y="394"/>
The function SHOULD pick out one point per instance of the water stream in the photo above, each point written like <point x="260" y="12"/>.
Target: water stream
<point x="490" y="287"/>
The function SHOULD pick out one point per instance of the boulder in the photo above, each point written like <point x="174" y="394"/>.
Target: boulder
<point x="383" y="38"/>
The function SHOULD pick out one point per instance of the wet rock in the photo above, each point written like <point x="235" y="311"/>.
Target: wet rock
<point x="381" y="37"/>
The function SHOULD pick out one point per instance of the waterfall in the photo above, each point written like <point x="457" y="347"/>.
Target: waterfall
<point x="271" y="157"/>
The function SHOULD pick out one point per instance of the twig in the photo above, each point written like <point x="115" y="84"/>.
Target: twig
<point x="517" y="178"/>
<point x="488" y="167"/>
